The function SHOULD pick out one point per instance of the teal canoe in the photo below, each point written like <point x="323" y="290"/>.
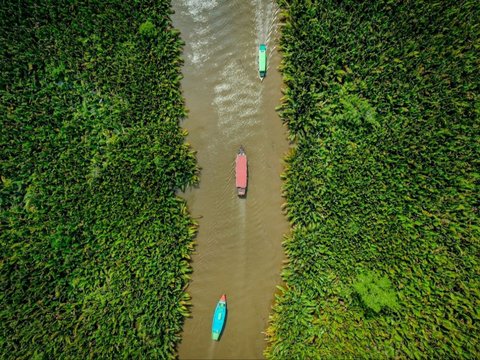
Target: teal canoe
<point x="219" y="317"/>
<point x="262" y="61"/>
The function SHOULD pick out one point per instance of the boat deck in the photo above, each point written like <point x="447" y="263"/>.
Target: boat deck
<point x="241" y="171"/>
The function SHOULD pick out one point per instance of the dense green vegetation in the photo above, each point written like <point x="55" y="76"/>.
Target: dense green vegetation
<point x="94" y="242"/>
<point x="382" y="186"/>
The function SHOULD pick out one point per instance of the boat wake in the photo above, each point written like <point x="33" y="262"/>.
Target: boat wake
<point x="266" y="21"/>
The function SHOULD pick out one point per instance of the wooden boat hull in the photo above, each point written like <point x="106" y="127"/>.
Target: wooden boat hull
<point x="219" y="317"/>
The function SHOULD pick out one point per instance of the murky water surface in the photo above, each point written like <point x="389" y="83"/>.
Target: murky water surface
<point x="238" y="249"/>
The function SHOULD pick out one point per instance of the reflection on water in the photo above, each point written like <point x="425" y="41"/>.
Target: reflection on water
<point x="238" y="248"/>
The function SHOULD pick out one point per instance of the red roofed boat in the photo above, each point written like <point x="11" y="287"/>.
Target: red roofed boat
<point x="241" y="172"/>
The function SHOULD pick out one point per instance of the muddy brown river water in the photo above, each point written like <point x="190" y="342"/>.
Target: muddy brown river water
<point x="238" y="246"/>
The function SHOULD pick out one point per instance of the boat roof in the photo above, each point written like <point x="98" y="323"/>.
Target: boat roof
<point x="262" y="59"/>
<point x="241" y="171"/>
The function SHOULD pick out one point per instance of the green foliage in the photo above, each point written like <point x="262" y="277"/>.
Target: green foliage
<point x="375" y="291"/>
<point x="94" y="243"/>
<point x="148" y="29"/>
<point x="382" y="103"/>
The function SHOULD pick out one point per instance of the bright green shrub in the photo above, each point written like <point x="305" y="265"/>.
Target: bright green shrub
<point x="375" y="291"/>
<point x="148" y="29"/>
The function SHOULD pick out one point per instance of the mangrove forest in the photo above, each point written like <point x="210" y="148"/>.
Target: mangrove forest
<point x="94" y="242"/>
<point x="382" y="183"/>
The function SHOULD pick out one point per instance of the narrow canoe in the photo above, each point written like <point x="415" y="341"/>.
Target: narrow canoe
<point x="241" y="172"/>
<point x="262" y="61"/>
<point x="219" y="317"/>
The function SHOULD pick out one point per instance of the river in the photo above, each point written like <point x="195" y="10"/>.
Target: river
<point x="238" y="246"/>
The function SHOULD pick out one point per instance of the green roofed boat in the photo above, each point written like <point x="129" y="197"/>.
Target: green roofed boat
<point x="262" y="61"/>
